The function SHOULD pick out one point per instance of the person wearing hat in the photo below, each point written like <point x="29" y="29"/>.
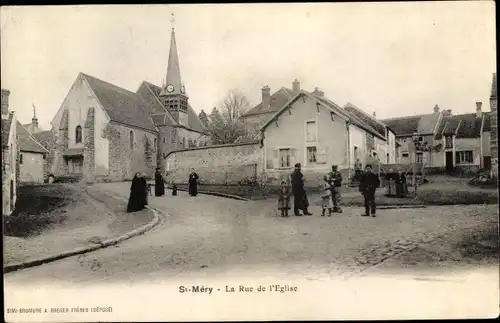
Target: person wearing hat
<point x="159" y="183"/>
<point x="336" y="183"/>
<point x="300" y="201"/>
<point x="367" y="186"/>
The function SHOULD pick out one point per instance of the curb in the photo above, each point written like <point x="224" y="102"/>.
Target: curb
<point x="229" y="196"/>
<point x="82" y="250"/>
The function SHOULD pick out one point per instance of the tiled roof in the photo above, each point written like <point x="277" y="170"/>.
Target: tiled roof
<point x="352" y="109"/>
<point x="27" y="142"/>
<point x="6" y="123"/>
<point x="461" y="125"/>
<point x="193" y="121"/>
<point x="406" y="126"/>
<point x="353" y="117"/>
<point x="122" y="105"/>
<point x="46" y="138"/>
<point x="278" y="100"/>
<point x="470" y="126"/>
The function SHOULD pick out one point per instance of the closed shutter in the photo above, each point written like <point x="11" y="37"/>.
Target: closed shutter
<point x="293" y="156"/>
<point x="457" y="157"/>
<point x="275" y="161"/>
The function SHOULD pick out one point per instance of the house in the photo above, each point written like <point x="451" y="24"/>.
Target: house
<point x="312" y="130"/>
<point x="422" y="128"/>
<point x="10" y="156"/>
<point x="462" y="139"/>
<point x="383" y="149"/>
<point x="255" y="118"/>
<point x="493" y="128"/>
<point x="105" y="132"/>
<point x="31" y="156"/>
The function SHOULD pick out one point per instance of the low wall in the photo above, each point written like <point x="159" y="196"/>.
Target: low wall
<point x="221" y="164"/>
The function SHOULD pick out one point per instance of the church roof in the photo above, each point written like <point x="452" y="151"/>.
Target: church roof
<point x="46" y="138"/>
<point x="27" y="142"/>
<point x="164" y="117"/>
<point x="122" y="105"/>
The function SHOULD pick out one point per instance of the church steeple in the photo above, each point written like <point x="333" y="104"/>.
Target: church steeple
<point x="173" y="81"/>
<point x="34" y="121"/>
<point x="173" y="94"/>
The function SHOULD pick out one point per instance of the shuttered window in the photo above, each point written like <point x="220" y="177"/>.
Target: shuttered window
<point x="311" y="131"/>
<point x="284" y="158"/>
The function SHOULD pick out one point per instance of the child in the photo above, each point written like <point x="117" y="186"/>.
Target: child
<point x="174" y="189"/>
<point x="284" y="199"/>
<point x="326" y="198"/>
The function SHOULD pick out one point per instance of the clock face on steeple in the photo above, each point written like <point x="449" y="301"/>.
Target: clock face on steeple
<point x="170" y="88"/>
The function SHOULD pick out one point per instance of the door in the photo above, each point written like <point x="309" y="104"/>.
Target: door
<point x="449" y="161"/>
<point x="487" y="162"/>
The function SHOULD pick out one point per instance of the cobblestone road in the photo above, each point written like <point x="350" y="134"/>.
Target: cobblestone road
<point x="217" y="236"/>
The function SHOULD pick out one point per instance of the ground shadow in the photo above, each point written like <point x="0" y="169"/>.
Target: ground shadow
<point x="37" y="207"/>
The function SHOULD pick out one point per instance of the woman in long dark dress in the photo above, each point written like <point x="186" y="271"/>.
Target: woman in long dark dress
<point x="159" y="183"/>
<point x="137" y="194"/>
<point x="193" y="183"/>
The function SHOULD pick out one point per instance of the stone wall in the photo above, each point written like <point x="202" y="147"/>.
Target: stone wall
<point x="124" y="161"/>
<point x="222" y="164"/>
<point x="89" y="170"/>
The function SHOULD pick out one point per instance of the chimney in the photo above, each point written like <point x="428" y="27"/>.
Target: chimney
<point x="5" y="103"/>
<point x="266" y="97"/>
<point x="436" y="108"/>
<point x="296" y="86"/>
<point x="447" y="113"/>
<point x="318" y="92"/>
<point x="374" y="115"/>
<point x="479" y="113"/>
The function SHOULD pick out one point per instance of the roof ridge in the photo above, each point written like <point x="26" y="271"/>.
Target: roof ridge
<point x="109" y="83"/>
<point x="30" y="135"/>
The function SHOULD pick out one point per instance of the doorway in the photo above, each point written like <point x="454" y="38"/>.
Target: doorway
<point x="449" y="161"/>
<point x="487" y="162"/>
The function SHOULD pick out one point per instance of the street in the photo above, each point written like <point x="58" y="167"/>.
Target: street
<point x="215" y="236"/>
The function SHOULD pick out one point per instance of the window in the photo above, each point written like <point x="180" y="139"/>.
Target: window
<point x="284" y="158"/>
<point x="311" y="131"/>
<point x="131" y="140"/>
<point x="404" y="155"/>
<point x="164" y="140"/>
<point x="78" y="134"/>
<point x="194" y="141"/>
<point x="420" y="139"/>
<point x="387" y="159"/>
<point x="448" y="141"/>
<point x="183" y="142"/>
<point x="420" y="158"/>
<point x="76" y="165"/>
<point x="44" y="156"/>
<point x="311" y="155"/>
<point x="356" y="153"/>
<point x="20" y="159"/>
<point x="464" y="157"/>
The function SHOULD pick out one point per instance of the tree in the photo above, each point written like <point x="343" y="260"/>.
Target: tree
<point x="203" y="118"/>
<point x="224" y="124"/>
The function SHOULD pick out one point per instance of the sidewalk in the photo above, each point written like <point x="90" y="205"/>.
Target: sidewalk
<point x="88" y="221"/>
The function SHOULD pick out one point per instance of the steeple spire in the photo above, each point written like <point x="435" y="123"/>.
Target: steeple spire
<point x="34" y="111"/>
<point x="173" y="82"/>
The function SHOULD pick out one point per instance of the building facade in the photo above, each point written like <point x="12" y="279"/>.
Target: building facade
<point x="10" y="156"/>
<point x="32" y="157"/>
<point x="494" y="129"/>
<point x="103" y="132"/>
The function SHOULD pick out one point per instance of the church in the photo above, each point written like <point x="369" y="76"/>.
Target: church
<point x="103" y="132"/>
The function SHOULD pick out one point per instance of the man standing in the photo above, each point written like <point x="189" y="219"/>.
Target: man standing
<point x="357" y="170"/>
<point x="336" y="183"/>
<point x="367" y="186"/>
<point x="300" y="201"/>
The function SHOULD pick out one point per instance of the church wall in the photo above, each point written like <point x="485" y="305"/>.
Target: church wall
<point x="126" y="156"/>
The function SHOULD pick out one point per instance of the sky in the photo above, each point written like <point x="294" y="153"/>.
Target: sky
<point x="395" y="59"/>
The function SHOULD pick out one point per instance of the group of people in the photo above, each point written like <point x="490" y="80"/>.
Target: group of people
<point x="330" y="198"/>
<point x="139" y="189"/>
